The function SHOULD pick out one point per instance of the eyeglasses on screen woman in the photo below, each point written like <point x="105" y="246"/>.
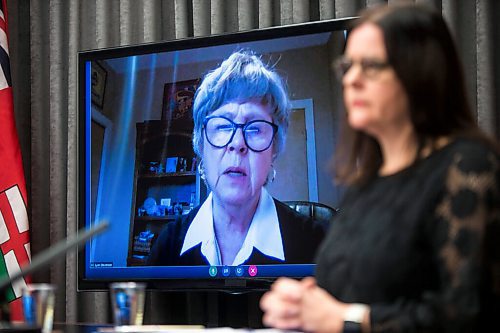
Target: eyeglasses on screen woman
<point x="370" y="68"/>
<point x="258" y="134"/>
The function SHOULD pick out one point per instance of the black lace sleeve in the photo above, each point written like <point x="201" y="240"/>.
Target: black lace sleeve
<point x="463" y="237"/>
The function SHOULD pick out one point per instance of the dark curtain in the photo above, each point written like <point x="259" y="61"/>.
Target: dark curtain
<point x="45" y="36"/>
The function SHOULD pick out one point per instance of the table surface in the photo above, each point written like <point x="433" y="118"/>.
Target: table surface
<point x="96" y="328"/>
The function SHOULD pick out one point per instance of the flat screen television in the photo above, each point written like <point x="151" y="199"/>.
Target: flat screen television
<point x="137" y="169"/>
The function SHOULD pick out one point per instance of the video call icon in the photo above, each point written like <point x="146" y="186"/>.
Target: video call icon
<point x="226" y="270"/>
<point x="252" y="270"/>
<point x="212" y="271"/>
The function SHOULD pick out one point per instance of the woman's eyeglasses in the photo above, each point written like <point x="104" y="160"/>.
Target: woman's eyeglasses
<point x="370" y="68"/>
<point x="258" y="134"/>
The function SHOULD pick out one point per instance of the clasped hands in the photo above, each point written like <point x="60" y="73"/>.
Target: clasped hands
<point x="303" y="305"/>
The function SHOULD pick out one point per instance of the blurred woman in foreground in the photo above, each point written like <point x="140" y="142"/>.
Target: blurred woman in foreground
<point x="415" y="247"/>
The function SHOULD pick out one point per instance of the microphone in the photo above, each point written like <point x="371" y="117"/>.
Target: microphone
<point x="53" y="252"/>
<point x="43" y="259"/>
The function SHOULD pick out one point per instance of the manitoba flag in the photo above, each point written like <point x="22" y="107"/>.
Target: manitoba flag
<point x="14" y="227"/>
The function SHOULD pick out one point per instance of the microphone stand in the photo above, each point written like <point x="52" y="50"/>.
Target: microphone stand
<point x="41" y="260"/>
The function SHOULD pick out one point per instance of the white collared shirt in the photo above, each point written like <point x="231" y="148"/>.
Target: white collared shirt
<point x="264" y="233"/>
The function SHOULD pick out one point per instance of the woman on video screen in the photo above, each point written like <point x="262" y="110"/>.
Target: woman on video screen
<point x="241" y="114"/>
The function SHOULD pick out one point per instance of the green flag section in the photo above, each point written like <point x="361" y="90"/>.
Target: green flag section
<point x="9" y="293"/>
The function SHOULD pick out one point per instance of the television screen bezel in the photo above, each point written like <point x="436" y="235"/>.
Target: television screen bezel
<point x="229" y="284"/>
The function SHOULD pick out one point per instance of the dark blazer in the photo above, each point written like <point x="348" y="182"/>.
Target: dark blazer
<point x="300" y="235"/>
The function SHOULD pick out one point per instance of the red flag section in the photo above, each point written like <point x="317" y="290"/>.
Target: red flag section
<point x="14" y="226"/>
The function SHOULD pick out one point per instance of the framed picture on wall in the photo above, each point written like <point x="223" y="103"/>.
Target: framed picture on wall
<point x="98" y="75"/>
<point x="178" y="104"/>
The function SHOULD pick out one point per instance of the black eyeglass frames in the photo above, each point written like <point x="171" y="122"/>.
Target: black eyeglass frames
<point x="258" y="134"/>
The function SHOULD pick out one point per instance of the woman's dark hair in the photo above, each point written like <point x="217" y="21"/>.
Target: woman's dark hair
<point x="422" y="52"/>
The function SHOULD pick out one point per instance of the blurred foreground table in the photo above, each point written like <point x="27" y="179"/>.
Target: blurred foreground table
<point x="93" y="328"/>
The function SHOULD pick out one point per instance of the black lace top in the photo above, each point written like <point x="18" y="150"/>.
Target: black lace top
<point x="422" y="246"/>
